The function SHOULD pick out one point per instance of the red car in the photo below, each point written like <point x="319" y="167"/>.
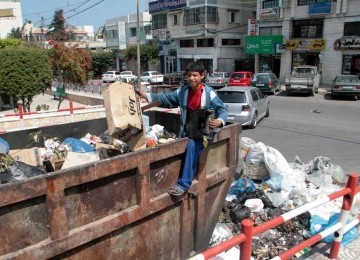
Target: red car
<point x="240" y="78"/>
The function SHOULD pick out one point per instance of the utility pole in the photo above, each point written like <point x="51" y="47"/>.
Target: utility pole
<point x="138" y="43"/>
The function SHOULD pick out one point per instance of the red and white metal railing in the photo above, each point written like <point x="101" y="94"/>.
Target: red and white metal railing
<point x="249" y="231"/>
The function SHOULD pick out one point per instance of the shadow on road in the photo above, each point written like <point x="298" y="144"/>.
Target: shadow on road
<point x="328" y="96"/>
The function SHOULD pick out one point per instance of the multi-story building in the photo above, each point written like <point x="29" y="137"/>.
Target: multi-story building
<point x="211" y="31"/>
<point x="10" y="16"/>
<point x="325" y="33"/>
<point x="121" y="32"/>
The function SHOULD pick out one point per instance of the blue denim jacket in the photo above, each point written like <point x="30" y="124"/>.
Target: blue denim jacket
<point x="178" y="98"/>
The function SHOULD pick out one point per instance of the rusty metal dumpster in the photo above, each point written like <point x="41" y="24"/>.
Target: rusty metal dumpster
<point x="118" y="208"/>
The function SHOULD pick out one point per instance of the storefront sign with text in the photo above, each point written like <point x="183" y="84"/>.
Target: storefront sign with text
<point x="262" y="44"/>
<point x="347" y="43"/>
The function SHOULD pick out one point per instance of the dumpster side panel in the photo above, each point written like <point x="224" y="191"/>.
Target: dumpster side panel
<point x="118" y="208"/>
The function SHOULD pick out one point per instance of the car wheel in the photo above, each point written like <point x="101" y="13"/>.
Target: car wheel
<point x="288" y="92"/>
<point x="267" y="111"/>
<point x="253" y="121"/>
<point x="333" y="96"/>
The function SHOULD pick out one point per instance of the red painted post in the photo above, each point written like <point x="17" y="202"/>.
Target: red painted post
<point x="246" y="247"/>
<point x="71" y="107"/>
<point x="20" y="109"/>
<point x="344" y="214"/>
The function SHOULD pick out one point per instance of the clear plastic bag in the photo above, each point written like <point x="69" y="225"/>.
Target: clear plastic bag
<point x="221" y="233"/>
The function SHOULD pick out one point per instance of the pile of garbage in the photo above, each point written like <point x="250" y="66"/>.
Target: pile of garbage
<point x="269" y="187"/>
<point x="56" y="154"/>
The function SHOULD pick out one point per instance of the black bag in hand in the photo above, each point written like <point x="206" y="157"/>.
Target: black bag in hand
<point x="196" y="123"/>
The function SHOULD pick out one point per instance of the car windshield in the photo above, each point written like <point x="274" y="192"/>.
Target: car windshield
<point x="232" y="97"/>
<point x="347" y="79"/>
<point x="262" y="78"/>
<point x="238" y="75"/>
<point x="215" y="75"/>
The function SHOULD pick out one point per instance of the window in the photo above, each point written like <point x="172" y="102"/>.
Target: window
<point x="133" y="32"/>
<point x="268" y="31"/>
<point x="352" y="29"/>
<point x="270" y="4"/>
<point x="227" y="42"/>
<point x="175" y="19"/>
<point x="195" y="16"/>
<point x="308" y="28"/>
<point x="346" y="68"/>
<point x="205" y="42"/>
<point x="159" y="21"/>
<point x="212" y="14"/>
<point x="147" y="29"/>
<point x="232" y="96"/>
<point x="234" y="16"/>
<point x="307" y="2"/>
<point x="186" y="43"/>
<point x="112" y="34"/>
<point x="254" y="95"/>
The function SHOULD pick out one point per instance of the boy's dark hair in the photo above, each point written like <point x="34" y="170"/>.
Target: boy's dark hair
<point x="195" y="66"/>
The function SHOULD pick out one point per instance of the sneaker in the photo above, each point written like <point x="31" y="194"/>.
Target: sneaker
<point x="176" y="191"/>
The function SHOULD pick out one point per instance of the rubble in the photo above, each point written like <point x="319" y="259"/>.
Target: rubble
<point x="286" y="186"/>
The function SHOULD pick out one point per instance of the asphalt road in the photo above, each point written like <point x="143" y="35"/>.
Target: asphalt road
<point x="312" y="126"/>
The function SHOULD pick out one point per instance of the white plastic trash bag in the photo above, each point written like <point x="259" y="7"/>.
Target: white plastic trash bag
<point x="276" y="163"/>
<point x="256" y="153"/>
<point x="255" y="205"/>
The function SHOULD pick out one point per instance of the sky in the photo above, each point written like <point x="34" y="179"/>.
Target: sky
<point x="98" y="10"/>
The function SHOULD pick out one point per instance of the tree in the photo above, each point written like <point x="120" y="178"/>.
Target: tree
<point x="57" y="30"/>
<point x="148" y="53"/>
<point x="15" y="33"/>
<point x="10" y="42"/>
<point x="101" y="61"/>
<point x="70" y="64"/>
<point x="24" y="73"/>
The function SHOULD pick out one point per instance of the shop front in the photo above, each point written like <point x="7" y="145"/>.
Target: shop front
<point x="266" y="48"/>
<point x="350" y="46"/>
<point x="305" y="51"/>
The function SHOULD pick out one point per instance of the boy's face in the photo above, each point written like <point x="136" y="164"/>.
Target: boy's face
<point x="194" y="79"/>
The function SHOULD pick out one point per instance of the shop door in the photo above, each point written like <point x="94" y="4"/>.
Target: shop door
<point x="355" y="65"/>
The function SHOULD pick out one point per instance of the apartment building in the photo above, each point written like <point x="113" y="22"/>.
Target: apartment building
<point x="211" y="31"/>
<point x="121" y="32"/>
<point x="325" y="33"/>
<point x="10" y="16"/>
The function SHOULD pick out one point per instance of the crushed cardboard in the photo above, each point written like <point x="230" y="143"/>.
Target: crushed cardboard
<point x="124" y="115"/>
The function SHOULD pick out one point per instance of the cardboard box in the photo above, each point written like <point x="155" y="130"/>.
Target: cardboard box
<point x="31" y="156"/>
<point x="75" y="159"/>
<point x="123" y="114"/>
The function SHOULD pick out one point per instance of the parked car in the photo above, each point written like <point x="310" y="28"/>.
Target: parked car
<point x="266" y="82"/>
<point x="127" y="74"/>
<point x="240" y="78"/>
<point x="218" y="80"/>
<point x="152" y="77"/>
<point x="246" y="105"/>
<point x="346" y="85"/>
<point x="145" y="86"/>
<point x="110" y="76"/>
<point x="175" y="78"/>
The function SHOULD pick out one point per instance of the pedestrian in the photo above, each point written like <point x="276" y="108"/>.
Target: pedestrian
<point x="193" y="98"/>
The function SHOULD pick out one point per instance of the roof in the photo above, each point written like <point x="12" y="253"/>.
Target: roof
<point x="236" y="89"/>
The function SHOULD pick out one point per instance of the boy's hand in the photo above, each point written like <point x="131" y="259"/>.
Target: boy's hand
<point x="215" y="123"/>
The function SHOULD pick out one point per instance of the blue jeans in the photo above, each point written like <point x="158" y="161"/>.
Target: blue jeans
<point x="192" y="152"/>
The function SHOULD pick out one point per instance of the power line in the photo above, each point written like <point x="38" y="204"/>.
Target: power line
<point x="85" y="9"/>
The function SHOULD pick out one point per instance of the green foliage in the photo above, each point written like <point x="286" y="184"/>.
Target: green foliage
<point x="101" y="61"/>
<point x="10" y="42"/>
<point x="57" y="30"/>
<point x="42" y="107"/>
<point x="24" y="73"/>
<point x="15" y="33"/>
<point x="70" y="64"/>
<point x="148" y="53"/>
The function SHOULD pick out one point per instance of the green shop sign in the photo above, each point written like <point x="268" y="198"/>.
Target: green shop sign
<point x="262" y="44"/>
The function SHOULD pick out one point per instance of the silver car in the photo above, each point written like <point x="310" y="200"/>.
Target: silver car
<point x="346" y="85"/>
<point x="246" y="105"/>
<point x="218" y="79"/>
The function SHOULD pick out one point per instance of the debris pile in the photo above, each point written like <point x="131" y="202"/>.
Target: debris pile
<point x="56" y="154"/>
<point x="269" y="187"/>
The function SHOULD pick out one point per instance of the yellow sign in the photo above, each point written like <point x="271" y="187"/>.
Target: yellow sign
<point x="291" y="44"/>
<point x="317" y="44"/>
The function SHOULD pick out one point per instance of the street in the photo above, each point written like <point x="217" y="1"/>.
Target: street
<point x="312" y="126"/>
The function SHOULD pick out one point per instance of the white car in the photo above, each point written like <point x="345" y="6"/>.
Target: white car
<point x="127" y="74"/>
<point x="152" y="77"/>
<point x="110" y="76"/>
<point x="145" y="86"/>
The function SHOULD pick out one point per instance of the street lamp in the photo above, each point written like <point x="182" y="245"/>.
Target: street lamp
<point x="138" y="43"/>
